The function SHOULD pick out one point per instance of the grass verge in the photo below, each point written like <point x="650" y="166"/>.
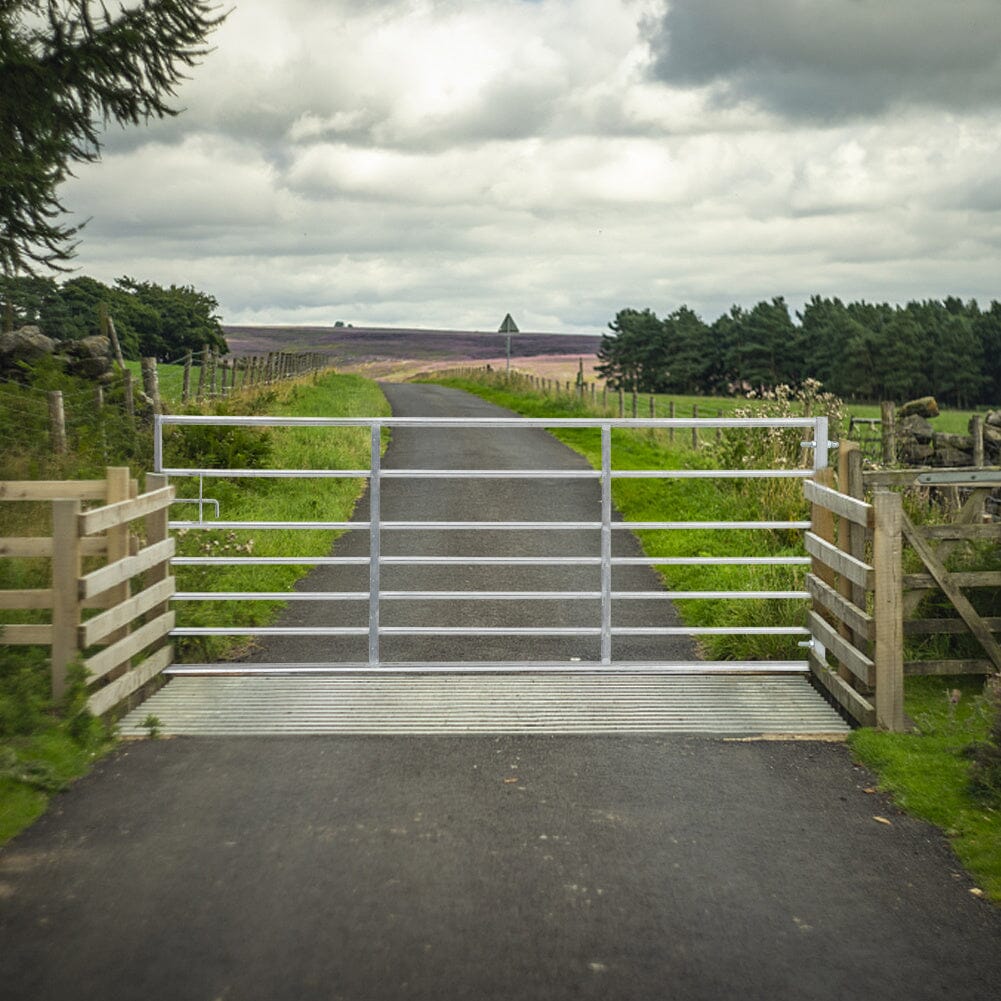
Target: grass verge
<point x="928" y="771"/>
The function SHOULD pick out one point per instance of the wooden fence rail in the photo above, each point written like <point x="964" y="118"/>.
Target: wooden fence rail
<point x="113" y="617"/>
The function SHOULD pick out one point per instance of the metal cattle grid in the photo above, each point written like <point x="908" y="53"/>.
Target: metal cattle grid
<point x="816" y="428"/>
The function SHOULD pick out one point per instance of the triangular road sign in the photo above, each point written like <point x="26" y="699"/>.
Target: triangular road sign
<point x="508" y="326"/>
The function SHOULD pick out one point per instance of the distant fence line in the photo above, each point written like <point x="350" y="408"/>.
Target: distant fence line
<point x="594" y="397"/>
<point x="219" y="375"/>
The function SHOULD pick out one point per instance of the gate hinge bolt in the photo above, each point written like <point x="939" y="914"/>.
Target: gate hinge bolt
<point x="807" y="643"/>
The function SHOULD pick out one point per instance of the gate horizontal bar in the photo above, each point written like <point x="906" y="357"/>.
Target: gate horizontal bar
<point x="479" y="595"/>
<point x="486" y="667"/>
<point x="711" y="474"/>
<point x="492" y="526"/>
<point x="269" y="474"/>
<point x="249" y="525"/>
<point x="490" y="422"/>
<point x="269" y="561"/>
<point x="676" y="561"/>
<point x="495" y="474"/>
<point x="490" y="631"/>
<point x="711" y="561"/>
<point x="270" y="631"/>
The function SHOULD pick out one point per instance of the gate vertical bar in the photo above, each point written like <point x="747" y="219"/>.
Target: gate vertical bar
<point x="374" y="543"/>
<point x="821" y="454"/>
<point x="157" y="442"/>
<point x="821" y="457"/>
<point x="606" y="544"/>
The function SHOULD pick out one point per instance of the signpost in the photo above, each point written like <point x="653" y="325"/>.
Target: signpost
<point x="509" y="327"/>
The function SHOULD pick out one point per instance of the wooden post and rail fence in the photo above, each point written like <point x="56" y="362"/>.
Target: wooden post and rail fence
<point x="864" y="602"/>
<point x="108" y="599"/>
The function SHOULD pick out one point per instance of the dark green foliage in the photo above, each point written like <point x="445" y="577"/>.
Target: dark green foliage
<point x="151" y="321"/>
<point x="220" y="448"/>
<point x="634" y="355"/>
<point x="67" y="69"/>
<point x="859" y="351"/>
<point x="24" y="692"/>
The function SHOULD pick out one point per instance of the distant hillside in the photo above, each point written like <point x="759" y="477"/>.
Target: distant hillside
<point x="359" y="346"/>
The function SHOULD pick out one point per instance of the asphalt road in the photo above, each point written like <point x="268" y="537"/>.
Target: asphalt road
<point x="486" y="868"/>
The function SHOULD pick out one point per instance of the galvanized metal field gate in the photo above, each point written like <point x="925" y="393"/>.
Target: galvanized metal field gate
<point x="815" y="438"/>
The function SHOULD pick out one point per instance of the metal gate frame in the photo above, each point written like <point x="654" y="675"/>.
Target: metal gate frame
<point x="816" y="426"/>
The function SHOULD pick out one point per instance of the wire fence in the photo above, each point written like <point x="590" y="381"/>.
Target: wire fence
<point x="64" y="425"/>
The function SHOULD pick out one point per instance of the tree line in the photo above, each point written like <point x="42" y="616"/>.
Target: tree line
<point x="863" y="351"/>
<point x="150" y="320"/>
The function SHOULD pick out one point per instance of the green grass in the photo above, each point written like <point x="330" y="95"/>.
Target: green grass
<point x="170" y="379"/>
<point x="43" y="746"/>
<point x="947" y="422"/>
<point x="929" y="776"/>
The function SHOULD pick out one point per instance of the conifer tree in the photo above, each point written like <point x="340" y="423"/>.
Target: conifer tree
<point x="68" y="68"/>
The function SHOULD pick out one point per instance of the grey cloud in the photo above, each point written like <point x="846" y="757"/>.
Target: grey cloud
<point x="832" y="59"/>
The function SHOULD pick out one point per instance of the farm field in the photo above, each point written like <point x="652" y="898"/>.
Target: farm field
<point x="381" y="352"/>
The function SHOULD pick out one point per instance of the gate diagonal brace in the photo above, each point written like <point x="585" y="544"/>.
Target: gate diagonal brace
<point x="960" y="602"/>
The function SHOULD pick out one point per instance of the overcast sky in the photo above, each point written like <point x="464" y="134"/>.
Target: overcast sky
<point x="444" y="163"/>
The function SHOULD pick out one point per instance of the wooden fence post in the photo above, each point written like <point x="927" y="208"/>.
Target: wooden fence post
<point x="201" y="373"/>
<point x="57" y="422"/>
<point x="888" y="614"/>
<point x="107" y="326"/>
<point x="186" y="385"/>
<point x="977" y="432"/>
<point x="130" y="400"/>
<point x="65" y="590"/>
<point x="622" y="402"/>
<point x="888" y="427"/>
<point x="695" y="430"/>
<point x="151" y="384"/>
<point x="213" y="364"/>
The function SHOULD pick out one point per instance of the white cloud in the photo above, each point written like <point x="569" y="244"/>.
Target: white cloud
<point x="445" y="163"/>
